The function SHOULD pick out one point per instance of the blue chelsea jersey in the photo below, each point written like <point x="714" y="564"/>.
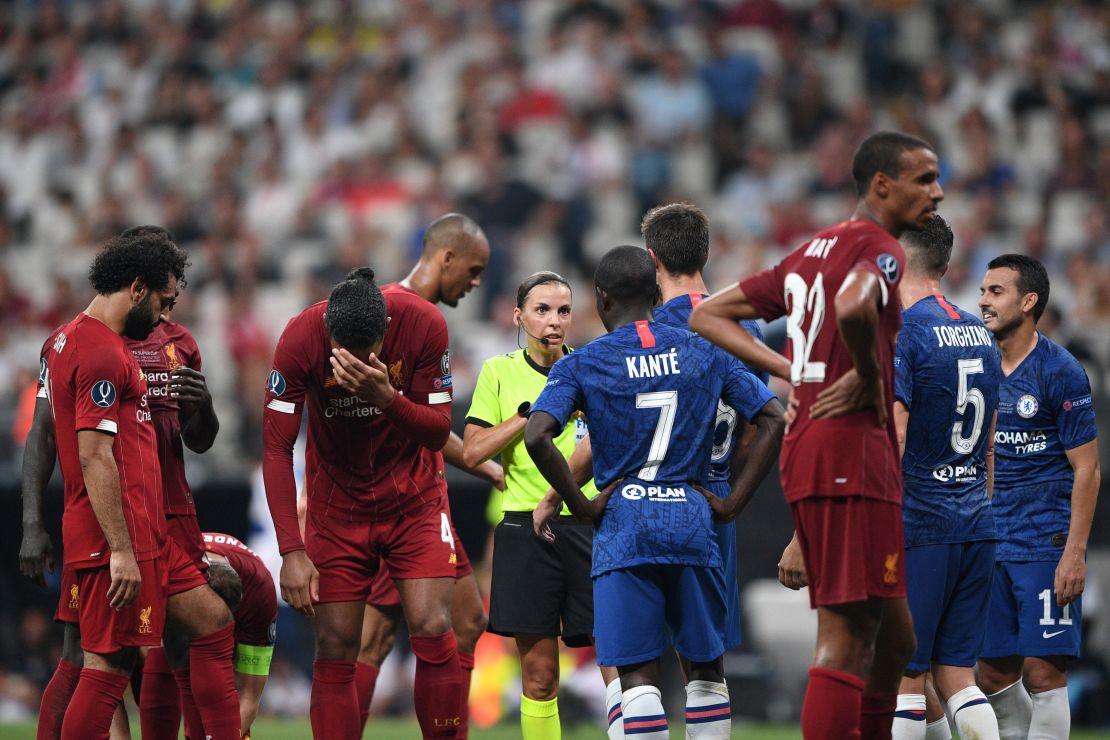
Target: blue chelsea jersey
<point x="1044" y="410"/>
<point x="946" y="372"/>
<point x="676" y="312"/>
<point x="648" y="392"/>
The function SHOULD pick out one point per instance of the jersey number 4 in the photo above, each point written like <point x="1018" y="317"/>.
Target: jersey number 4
<point x="804" y="300"/>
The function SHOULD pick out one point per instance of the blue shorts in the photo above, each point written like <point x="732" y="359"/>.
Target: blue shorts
<point x="948" y="589"/>
<point x="638" y="611"/>
<point x="1024" y="618"/>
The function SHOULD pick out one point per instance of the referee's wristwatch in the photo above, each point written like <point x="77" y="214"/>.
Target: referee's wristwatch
<point x="523" y="409"/>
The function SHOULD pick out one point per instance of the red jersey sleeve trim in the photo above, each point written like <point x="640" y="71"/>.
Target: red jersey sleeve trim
<point x="948" y="309"/>
<point x="647" y="339"/>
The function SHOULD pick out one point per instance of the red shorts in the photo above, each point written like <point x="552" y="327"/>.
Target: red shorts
<point x="104" y="629"/>
<point x="383" y="592"/>
<point x="853" y="548"/>
<point x="69" y="599"/>
<point x="185" y="530"/>
<point x="182" y="573"/>
<point x="348" y="554"/>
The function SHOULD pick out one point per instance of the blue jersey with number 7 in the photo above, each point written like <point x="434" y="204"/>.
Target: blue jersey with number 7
<point x="650" y="393"/>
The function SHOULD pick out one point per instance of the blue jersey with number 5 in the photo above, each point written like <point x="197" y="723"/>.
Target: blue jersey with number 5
<point x="649" y="392"/>
<point x="946" y="372"/>
<point x="676" y="312"/>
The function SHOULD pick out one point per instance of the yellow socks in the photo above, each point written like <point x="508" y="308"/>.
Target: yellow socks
<point x="539" y="720"/>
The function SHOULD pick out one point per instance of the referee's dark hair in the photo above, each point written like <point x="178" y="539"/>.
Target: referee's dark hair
<point x="929" y="250"/>
<point x="355" y="316"/>
<point x="535" y="280"/>
<point x="627" y="275"/>
<point x="882" y="152"/>
<point x="1032" y="278"/>
<point x="678" y="234"/>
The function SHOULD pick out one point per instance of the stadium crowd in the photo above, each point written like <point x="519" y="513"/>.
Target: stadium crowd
<point x="285" y="143"/>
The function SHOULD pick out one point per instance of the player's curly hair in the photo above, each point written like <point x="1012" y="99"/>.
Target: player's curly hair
<point x="882" y="152"/>
<point x="1032" y="278"/>
<point x="149" y="230"/>
<point x="355" y="316"/>
<point x="929" y="250"/>
<point x="138" y="253"/>
<point x="678" y="233"/>
<point x="627" y="274"/>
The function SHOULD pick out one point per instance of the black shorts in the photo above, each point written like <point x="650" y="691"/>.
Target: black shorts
<point x="539" y="588"/>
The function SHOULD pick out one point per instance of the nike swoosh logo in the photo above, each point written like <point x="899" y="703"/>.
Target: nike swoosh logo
<point x="1046" y="634"/>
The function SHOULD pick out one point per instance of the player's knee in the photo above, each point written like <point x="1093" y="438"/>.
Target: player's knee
<point x="470" y="629"/>
<point x="540" y="683"/>
<point x="377" y="648"/>
<point x="430" y="624"/>
<point x="1046" y="675"/>
<point x="334" y="645"/>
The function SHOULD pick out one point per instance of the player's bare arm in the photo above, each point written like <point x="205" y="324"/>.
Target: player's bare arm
<point x="1072" y="571"/>
<point x="98" y="465"/>
<point x="249" y="689"/>
<point x="715" y="319"/>
<point x="199" y="424"/>
<point x="901" y="424"/>
<point x="539" y="438"/>
<point x="36" y="551"/>
<point x="857" y="320"/>
<point x="454" y="452"/>
<point x="763" y="454"/>
<point x="581" y="464"/>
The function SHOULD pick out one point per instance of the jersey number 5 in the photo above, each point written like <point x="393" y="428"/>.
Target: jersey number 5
<point x="804" y="299"/>
<point x="667" y="403"/>
<point x="966" y="396"/>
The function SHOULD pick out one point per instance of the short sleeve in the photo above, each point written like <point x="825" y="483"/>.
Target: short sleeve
<point x="100" y="379"/>
<point x="882" y="256"/>
<point x="485" y="404"/>
<point x="191" y="351"/>
<point x="754" y="329"/>
<point x="903" y="368"/>
<point x="1075" y="410"/>
<point x="764" y="291"/>
<point x="286" y="383"/>
<point x="743" y="391"/>
<point x="40" y="386"/>
<point x="562" y="395"/>
<point x="431" y="379"/>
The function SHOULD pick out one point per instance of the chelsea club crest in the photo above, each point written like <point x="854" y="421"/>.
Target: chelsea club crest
<point x="1027" y="406"/>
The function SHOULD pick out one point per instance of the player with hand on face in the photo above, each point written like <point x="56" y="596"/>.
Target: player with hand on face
<point x="649" y="391"/>
<point x="1046" y="479"/>
<point x="839" y="463"/>
<point x="946" y="377"/>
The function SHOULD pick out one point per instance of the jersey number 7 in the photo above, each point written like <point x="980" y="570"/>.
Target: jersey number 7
<point x="667" y="403"/>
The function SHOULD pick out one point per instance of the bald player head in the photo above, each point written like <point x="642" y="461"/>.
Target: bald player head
<point x="456" y="252"/>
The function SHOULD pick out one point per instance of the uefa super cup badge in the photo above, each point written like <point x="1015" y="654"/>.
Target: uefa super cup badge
<point x="1027" y="406"/>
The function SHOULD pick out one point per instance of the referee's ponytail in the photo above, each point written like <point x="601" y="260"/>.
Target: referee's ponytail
<point x="536" y="279"/>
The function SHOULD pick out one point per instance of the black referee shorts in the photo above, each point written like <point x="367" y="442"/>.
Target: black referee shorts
<point x="540" y="588"/>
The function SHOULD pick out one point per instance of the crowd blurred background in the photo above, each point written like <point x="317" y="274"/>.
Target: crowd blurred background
<point x="286" y="142"/>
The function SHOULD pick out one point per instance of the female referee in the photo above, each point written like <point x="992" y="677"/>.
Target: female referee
<point x="540" y="589"/>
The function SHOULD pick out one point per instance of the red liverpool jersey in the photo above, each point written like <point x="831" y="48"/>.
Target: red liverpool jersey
<point x="94" y="383"/>
<point x="849" y="455"/>
<point x="362" y="462"/>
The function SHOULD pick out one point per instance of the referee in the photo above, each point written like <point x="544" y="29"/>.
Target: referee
<point x="540" y="589"/>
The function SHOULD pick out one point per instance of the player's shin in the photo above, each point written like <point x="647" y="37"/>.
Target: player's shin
<point x="213" y="681"/>
<point x="1014" y="710"/>
<point x="614" y="713"/>
<point x="194" y="727"/>
<point x="437" y="689"/>
<point x="56" y="698"/>
<point x="366" y="678"/>
<point x="909" y="718"/>
<point x="939" y="730"/>
<point x="973" y="714"/>
<point x="643" y="713"/>
<point x="466" y="670"/>
<point x="708" y="712"/>
<point x="1051" y="718"/>
<point x="334" y="704"/>
<point x="539" y="719"/>
<point x="89" y="715"/>
<point x="159" y="700"/>
<point x="877" y="716"/>
<point x="831" y="710"/>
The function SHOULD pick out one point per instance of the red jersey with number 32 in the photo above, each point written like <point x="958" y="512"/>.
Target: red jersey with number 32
<point x="168" y="347"/>
<point x="848" y="455"/>
<point x="94" y="383"/>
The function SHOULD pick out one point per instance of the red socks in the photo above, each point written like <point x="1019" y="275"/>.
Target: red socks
<point x="831" y="710"/>
<point x="89" y="716"/>
<point x="366" y="677"/>
<point x="466" y="663"/>
<point x="194" y="727"/>
<point x="877" y="716"/>
<point x="437" y="690"/>
<point x="56" y="698"/>
<point x="159" y="702"/>
<point x="334" y="708"/>
<point x="213" y="682"/>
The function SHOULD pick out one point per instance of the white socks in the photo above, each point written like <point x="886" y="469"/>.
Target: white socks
<point x="614" y="713"/>
<point x="938" y="730"/>
<point x="708" y="713"/>
<point x="1014" y="710"/>
<point x="643" y="713"/>
<point x="909" y="718"/>
<point x="973" y="714"/>
<point x="1051" y="715"/>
